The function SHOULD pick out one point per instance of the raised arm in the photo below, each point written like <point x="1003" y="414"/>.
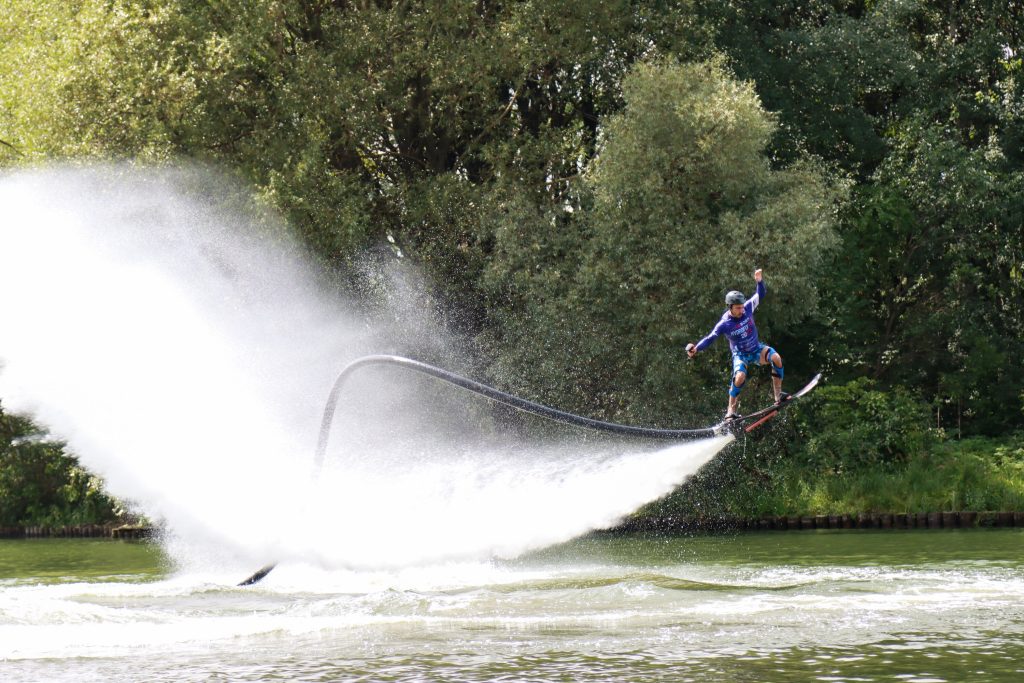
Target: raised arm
<point x="754" y="301"/>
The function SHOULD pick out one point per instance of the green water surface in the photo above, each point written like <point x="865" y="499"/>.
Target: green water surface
<point x="46" y="560"/>
<point x="919" y="606"/>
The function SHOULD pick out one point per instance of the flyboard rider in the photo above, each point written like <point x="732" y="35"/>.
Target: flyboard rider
<point x="737" y="324"/>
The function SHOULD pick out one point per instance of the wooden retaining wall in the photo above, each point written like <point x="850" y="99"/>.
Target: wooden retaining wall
<point x="125" y="531"/>
<point x="920" y="520"/>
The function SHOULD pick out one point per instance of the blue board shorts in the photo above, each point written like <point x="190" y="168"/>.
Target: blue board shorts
<point x="741" y="360"/>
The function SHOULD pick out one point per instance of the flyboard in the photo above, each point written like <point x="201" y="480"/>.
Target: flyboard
<point x="748" y="423"/>
<point x="736" y="426"/>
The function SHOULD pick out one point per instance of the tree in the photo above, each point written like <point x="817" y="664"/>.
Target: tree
<point x="934" y="299"/>
<point x="834" y="71"/>
<point x="684" y="204"/>
<point x="40" y="484"/>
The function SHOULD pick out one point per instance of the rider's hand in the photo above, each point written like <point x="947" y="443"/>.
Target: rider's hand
<point x="691" y="350"/>
<point x="757" y="275"/>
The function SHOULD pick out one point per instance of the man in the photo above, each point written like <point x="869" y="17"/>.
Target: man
<point x="737" y="324"/>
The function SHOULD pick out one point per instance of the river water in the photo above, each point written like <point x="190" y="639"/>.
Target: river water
<point x="911" y="606"/>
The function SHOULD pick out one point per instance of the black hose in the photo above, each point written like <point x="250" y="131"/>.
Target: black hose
<point x="494" y="395"/>
<point x="483" y="390"/>
<point x="258" y="575"/>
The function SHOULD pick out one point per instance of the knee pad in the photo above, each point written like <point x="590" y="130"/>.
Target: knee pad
<point x="734" y="390"/>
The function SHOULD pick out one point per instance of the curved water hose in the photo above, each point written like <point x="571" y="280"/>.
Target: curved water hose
<point x="483" y="390"/>
<point x="494" y="395"/>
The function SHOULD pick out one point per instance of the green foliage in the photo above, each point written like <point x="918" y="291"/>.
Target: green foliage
<point x="931" y="300"/>
<point x="988" y="473"/>
<point x="867" y="427"/>
<point x="41" y="485"/>
<point x="833" y="70"/>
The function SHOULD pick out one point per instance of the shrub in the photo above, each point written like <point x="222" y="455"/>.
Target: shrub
<point x="40" y="484"/>
<point x="866" y="426"/>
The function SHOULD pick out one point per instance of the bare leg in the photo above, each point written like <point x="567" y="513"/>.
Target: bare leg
<point x="777" y="381"/>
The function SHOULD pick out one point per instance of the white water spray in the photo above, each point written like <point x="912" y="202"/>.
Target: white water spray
<point x="184" y="351"/>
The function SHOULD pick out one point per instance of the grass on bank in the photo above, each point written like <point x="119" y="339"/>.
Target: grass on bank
<point x="973" y="474"/>
<point x="970" y="474"/>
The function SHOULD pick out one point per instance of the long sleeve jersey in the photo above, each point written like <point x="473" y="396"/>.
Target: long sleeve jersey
<point x="741" y="332"/>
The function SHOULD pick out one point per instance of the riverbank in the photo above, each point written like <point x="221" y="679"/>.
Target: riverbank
<point x="967" y="519"/>
<point x="117" y="531"/>
<point x="922" y="520"/>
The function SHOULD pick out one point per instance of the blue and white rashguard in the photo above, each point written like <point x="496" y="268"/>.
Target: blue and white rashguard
<point x="741" y="332"/>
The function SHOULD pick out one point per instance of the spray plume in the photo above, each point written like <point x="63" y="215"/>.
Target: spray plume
<point x="183" y="347"/>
